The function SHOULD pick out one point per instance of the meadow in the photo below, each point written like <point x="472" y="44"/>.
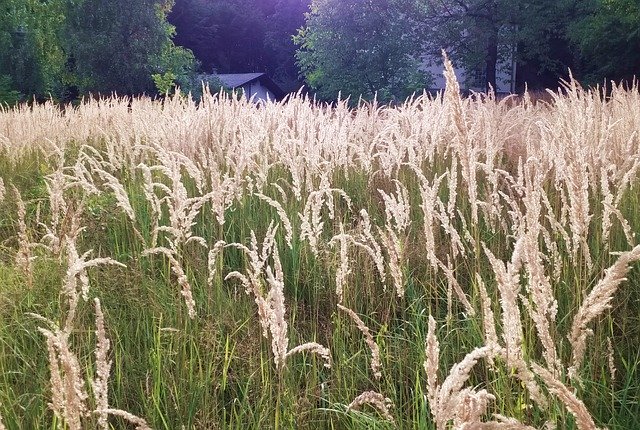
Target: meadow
<point x="448" y="262"/>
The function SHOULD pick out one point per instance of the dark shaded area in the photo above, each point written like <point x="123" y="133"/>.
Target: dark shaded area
<point x="242" y="36"/>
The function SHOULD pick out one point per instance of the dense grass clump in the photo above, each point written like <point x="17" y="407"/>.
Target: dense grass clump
<point x="445" y="263"/>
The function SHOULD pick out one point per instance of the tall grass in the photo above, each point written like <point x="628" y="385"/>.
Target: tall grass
<point x="444" y="263"/>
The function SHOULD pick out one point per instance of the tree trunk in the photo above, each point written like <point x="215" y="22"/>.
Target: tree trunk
<point x="491" y="61"/>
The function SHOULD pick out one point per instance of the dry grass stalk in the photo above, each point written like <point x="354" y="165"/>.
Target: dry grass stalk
<point x="271" y="307"/>
<point x="368" y="338"/>
<point x="394" y="247"/>
<point x="311" y="220"/>
<point x="3" y="192"/>
<point x="76" y="283"/>
<point x="212" y="258"/>
<point x="185" y="287"/>
<point x="377" y="400"/>
<point x="541" y="304"/>
<point x="372" y="247"/>
<point x="343" y="270"/>
<point x="453" y="285"/>
<point x="140" y="423"/>
<point x="430" y="202"/>
<point x="605" y="190"/>
<point x="452" y="403"/>
<point x="488" y="321"/>
<point x="69" y="397"/>
<point x="283" y="217"/>
<point x="277" y="319"/>
<point x="24" y="257"/>
<point x="598" y="300"/>
<point x="508" y="282"/>
<point x="68" y="393"/>
<point x="397" y="207"/>
<point x="122" y="199"/>
<point x="629" y="234"/>
<point x="584" y="421"/>
<point x="449" y="401"/>
<point x="103" y="368"/>
<point x="611" y="360"/>
<point x="315" y="348"/>
<point x="155" y="204"/>
<point x="431" y="365"/>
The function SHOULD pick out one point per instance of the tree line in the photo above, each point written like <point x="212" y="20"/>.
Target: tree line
<point x="63" y="49"/>
<point x="377" y="46"/>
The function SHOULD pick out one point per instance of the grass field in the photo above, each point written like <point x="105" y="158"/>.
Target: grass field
<point x="445" y="263"/>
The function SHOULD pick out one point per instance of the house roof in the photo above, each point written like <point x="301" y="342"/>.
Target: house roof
<point x="235" y="80"/>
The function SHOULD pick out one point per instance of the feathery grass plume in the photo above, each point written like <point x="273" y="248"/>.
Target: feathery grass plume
<point x="24" y="256"/>
<point x="508" y="282"/>
<point x="311" y="220"/>
<point x="223" y="193"/>
<point x="452" y="185"/>
<point x="629" y="174"/>
<point x="541" y="303"/>
<point x="431" y="366"/>
<point x="449" y="401"/>
<point x="182" y="209"/>
<point x="393" y="246"/>
<point x="584" y="421"/>
<point x="283" y="217"/>
<point x="252" y="281"/>
<point x="397" y="208"/>
<point x="429" y="203"/>
<point x="377" y="400"/>
<point x="103" y="368"/>
<point x="368" y="338"/>
<point x="122" y="199"/>
<point x="605" y="190"/>
<point x="185" y="288"/>
<point x="3" y="192"/>
<point x="453" y="285"/>
<point x="467" y="154"/>
<point x="629" y="234"/>
<point x="488" y="321"/>
<point x="76" y="283"/>
<point x="140" y="423"/>
<point x="598" y="300"/>
<point x="155" y="203"/>
<point x="315" y="348"/>
<point x="56" y="184"/>
<point x="68" y="393"/>
<point x="611" y="360"/>
<point x="452" y="96"/>
<point x="271" y="307"/>
<point x="277" y="319"/>
<point x="212" y="258"/>
<point x="343" y="270"/>
<point x="372" y="247"/>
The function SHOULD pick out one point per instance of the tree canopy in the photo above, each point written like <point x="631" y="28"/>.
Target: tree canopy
<point x="66" y="48"/>
<point x="63" y="48"/>
<point x="361" y="48"/>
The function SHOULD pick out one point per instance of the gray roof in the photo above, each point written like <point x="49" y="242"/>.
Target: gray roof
<point x="234" y="80"/>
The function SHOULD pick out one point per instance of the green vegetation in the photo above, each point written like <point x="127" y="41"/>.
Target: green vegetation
<point x="63" y="49"/>
<point x="219" y="236"/>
